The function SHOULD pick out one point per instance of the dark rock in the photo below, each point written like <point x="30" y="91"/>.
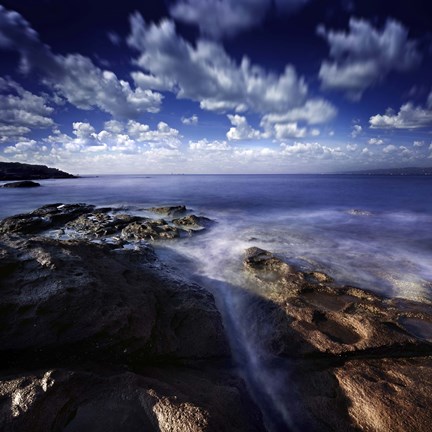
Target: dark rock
<point x="193" y="222"/>
<point x="20" y="171"/>
<point x="171" y="399"/>
<point x="170" y="210"/>
<point x="21" y="184"/>
<point x="47" y="217"/>
<point x="100" y="223"/>
<point x="67" y="299"/>
<point x="150" y="230"/>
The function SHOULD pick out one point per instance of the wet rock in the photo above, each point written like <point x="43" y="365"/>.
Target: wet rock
<point x="21" y="184"/>
<point x="101" y="223"/>
<point x="150" y="230"/>
<point x="193" y="222"/>
<point x="358" y="361"/>
<point x="76" y="299"/>
<point x="169" y="210"/>
<point x="47" y="217"/>
<point x="170" y="399"/>
<point x="327" y="319"/>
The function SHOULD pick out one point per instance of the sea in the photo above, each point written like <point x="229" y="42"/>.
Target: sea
<point x="369" y="231"/>
<point x="374" y="232"/>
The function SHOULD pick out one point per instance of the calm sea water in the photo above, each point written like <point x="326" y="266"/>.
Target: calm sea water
<point x="306" y="219"/>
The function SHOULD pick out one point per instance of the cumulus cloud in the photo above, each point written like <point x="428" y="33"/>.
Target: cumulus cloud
<point x="390" y="148"/>
<point x="226" y="18"/>
<point x="289" y="130"/>
<point x="313" y="112"/>
<point x="418" y="143"/>
<point x="73" y="76"/>
<point x="189" y="121"/>
<point x="206" y="145"/>
<point x="356" y="131"/>
<point x="311" y="150"/>
<point x="242" y="130"/>
<point x="364" y="55"/>
<point x="408" y="117"/>
<point x="376" y="141"/>
<point x="206" y="73"/>
<point x="21" y="111"/>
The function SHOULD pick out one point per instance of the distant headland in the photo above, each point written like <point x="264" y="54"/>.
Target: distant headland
<point x="21" y="171"/>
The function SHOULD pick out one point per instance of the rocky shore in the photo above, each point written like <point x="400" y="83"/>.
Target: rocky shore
<point x="97" y="334"/>
<point x="22" y="171"/>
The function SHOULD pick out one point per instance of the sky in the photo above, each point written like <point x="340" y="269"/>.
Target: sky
<point x="216" y="86"/>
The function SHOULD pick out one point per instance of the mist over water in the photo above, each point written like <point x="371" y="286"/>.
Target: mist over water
<point x="370" y="231"/>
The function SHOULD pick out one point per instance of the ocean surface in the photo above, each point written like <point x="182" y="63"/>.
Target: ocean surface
<point x="369" y="231"/>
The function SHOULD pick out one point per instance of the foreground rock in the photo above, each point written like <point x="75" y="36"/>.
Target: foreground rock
<point x="101" y="338"/>
<point x="21" y="184"/>
<point x="68" y="299"/>
<point x="360" y="361"/>
<point x="155" y="400"/>
<point x="169" y="210"/>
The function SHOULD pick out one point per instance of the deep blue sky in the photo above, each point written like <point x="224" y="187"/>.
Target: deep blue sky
<point x="215" y="86"/>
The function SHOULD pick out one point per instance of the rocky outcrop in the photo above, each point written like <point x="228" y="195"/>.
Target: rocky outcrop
<point x="20" y="171"/>
<point x="369" y="356"/>
<point x="150" y="230"/>
<point x="173" y="211"/>
<point x="98" y="337"/>
<point x="22" y="184"/>
<point x="193" y="222"/>
<point x="74" y="298"/>
<point x="46" y="217"/>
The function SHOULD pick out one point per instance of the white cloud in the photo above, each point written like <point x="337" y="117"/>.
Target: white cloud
<point x="376" y="141"/>
<point x="365" y="55"/>
<point x="408" y="117"/>
<point x="21" y="147"/>
<point x="356" y="131"/>
<point x="21" y="111"/>
<point x="315" y="132"/>
<point x="74" y="76"/>
<point x="352" y="147"/>
<point x="205" y="145"/>
<point x="390" y="148"/>
<point x="225" y="18"/>
<point x="189" y="121"/>
<point x="418" y="143"/>
<point x="289" y="130"/>
<point x="241" y="129"/>
<point x="311" y="150"/>
<point x="314" y="111"/>
<point x="207" y="74"/>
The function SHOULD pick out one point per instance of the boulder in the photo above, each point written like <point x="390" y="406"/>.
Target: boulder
<point x="192" y="222"/>
<point x="150" y="230"/>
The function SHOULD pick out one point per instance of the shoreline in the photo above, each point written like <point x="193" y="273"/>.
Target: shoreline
<point x="112" y="322"/>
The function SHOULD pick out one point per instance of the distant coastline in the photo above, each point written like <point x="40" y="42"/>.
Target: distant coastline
<point x="407" y="171"/>
<point x="19" y="171"/>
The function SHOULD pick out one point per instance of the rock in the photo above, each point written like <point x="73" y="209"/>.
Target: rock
<point x="170" y="210"/>
<point x="166" y="399"/>
<point x="21" y="184"/>
<point x="47" y="217"/>
<point x="100" y="223"/>
<point x="193" y="222"/>
<point x="76" y="299"/>
<point x="150" y="230"/>
<point x="357" y="361"/>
